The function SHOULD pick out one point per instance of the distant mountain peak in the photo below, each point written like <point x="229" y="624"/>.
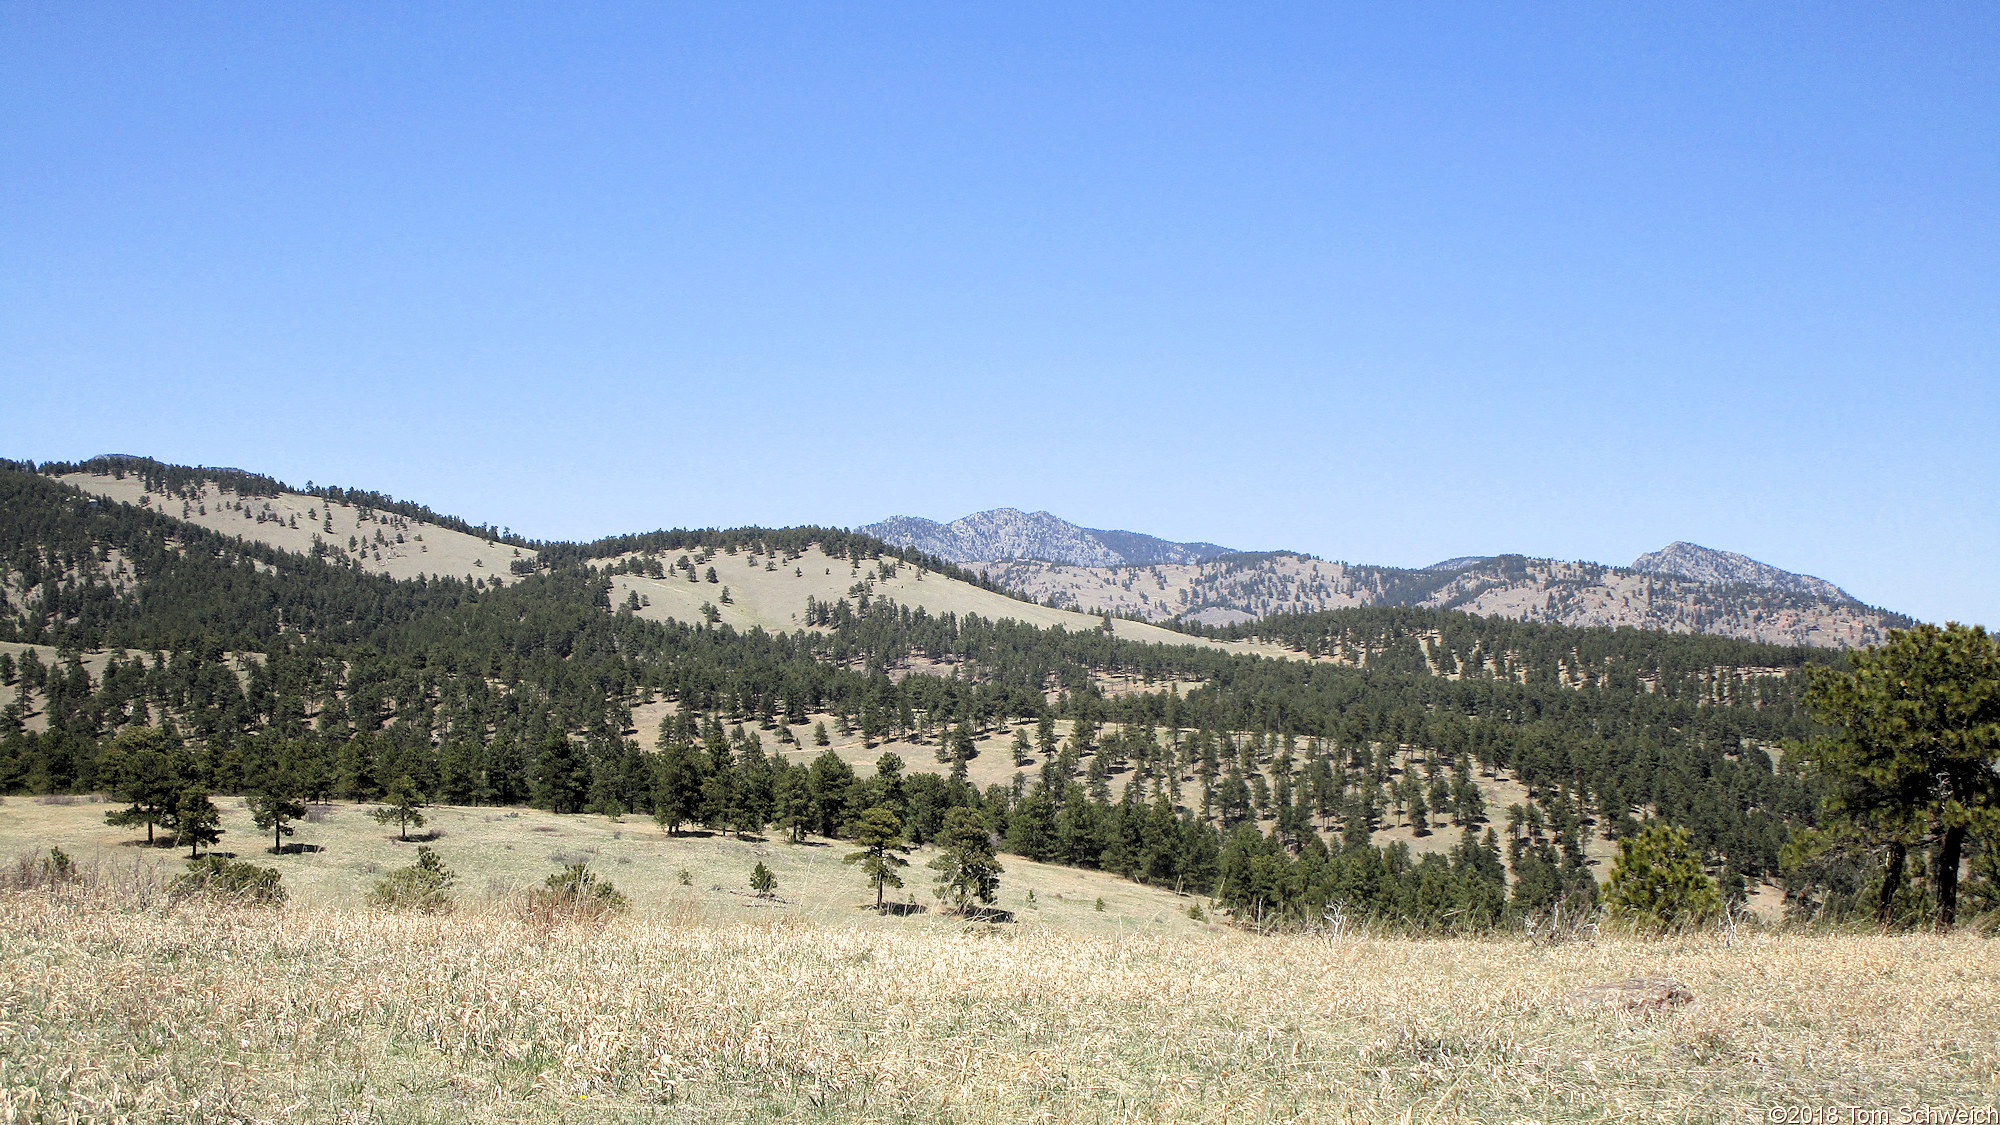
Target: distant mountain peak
<point x="1009" y="533"/>
<point x="1727" y="568"/>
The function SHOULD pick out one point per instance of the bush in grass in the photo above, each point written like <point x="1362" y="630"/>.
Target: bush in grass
<point x="223" y="879"/>
<point x="575" y="893"/>
<point x="423" y="887"/>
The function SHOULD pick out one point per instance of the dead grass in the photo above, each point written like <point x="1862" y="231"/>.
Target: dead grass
<point x="113" y="1008"/>
<point x="706" y="1003"/>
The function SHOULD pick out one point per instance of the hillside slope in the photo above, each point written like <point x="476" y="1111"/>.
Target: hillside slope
<point x="377" y="541"/>
<point x="761" y="595"/>
<point x="1780" y="609"/>
<point x="772" y="592"/>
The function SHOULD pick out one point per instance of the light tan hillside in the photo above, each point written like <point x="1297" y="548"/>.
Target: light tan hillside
<point x="382" y="542"/>
<point x="771" y="592"/>
<point x="1244" y="587"/>
<point x="1219" y="591"/>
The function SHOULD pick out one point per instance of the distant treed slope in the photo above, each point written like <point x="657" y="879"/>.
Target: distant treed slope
<point x="365" y="529"/>
<point x="1242" y="587"/>
<point x="528" y="691"/>
<point x="778" y="590"/>
<point x="1008" y="533"/>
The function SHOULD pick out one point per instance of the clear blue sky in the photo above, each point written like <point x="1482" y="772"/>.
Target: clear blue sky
<point x="1385" y="283"/>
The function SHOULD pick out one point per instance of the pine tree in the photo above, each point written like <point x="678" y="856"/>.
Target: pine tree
<point x="966" y="867"/>
<point x="878" y="833"/>
<point x="274" y="806"/>
<point x="196" y="820"/>
<point x="1658" y="880"/>
<point x="403" y="806"/>
<point x="561" y="779"/>
<point x="762" y="881"/>
<point x="1919" y="759"/>
<point x="142" y="775"/>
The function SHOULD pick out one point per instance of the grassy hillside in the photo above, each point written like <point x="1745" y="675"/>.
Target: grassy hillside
<point x="770" y="592"/>
<point x="334" y="858"/>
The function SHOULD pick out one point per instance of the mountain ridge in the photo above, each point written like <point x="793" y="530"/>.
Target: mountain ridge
<point x="1010" y="533"/>
<point x="1683" y="587"/>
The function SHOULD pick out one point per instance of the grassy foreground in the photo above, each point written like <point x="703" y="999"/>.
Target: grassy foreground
<point x="115" y="1007"/>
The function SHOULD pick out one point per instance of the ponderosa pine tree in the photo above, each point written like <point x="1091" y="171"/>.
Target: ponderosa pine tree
<point x="275" y="806"/>
<point x="142" y="776"/>
<point x="196" y="820"/>
<point x="878" y="834"/>
<point x="402" y="806"/>
<point x="561" y="777"/>
<point x="1658" y="881"/>
<point x="1919" y="757"/>
<point x="967" y="870"/>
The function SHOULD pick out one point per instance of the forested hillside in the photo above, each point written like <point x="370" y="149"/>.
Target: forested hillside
<point x="151" y="645"/>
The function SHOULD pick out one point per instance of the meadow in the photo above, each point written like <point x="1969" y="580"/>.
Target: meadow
<point x="706" y="1004"/>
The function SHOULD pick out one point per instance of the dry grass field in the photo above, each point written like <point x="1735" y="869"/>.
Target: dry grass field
<point x="701" y="1005"/>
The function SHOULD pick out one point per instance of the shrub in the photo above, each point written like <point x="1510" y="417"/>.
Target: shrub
<point x="575" y="893"/>
<point x="58" y="867"/>
<point x="762" y="881"/>
<point x="423" y="887"/>
<point x="223" y="879"/>
<point x="1657" y="881"/>
<point x="38" y="871"/>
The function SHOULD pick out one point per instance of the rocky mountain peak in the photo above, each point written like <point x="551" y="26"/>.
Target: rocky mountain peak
<point x="1009" y="533"/>
<point x="1727" y="568"/>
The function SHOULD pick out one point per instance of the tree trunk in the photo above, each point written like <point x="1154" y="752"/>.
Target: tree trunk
<point x="1947" y="876"/>
<point x="1891" y="880"/>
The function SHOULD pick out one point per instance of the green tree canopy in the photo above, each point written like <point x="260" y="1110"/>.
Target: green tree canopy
<point x="878" y="833"/>
<point x="196" y="820"/>
<point x="1657" y="880"/>
<point x="966" y="867"/>
<point x="1915" y="762"/>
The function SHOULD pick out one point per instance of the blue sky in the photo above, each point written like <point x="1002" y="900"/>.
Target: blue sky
<point x="1386" y="283"/>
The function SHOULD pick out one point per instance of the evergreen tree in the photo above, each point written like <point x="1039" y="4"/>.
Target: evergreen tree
<point x="1658" y="882"/>
<point x="142" y="775"/>
<point x="562" y="775"/>
<point x="878" y="834"/>
<point x="403" y="806"/>
<point x="762" y="881"/>
<point x="677" y="785"/>
<point x="966" y="867"/>
<point x="196" y="820"/>
<point x="275" y="806"/>
<point x="1919" y="759"/>
<point x="423" y="887"/>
